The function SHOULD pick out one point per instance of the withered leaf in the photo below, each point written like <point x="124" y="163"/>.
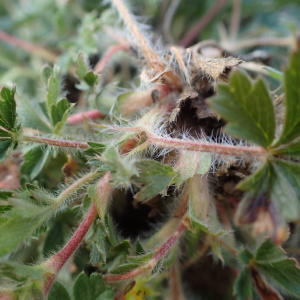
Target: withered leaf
<point x="217" y="68"/>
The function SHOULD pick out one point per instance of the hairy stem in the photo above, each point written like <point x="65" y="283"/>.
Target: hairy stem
<point x="161" y="252"/>
<point x="76" y="186"/>
<point x="54" y="142"/>
<point x="205" y="146"/>
<point x="174" y="143"/>
<point x="154" y="61"/>
<point x="56" y="262"/>
<point x="204" y="21"/>
<point x="150" y="55"/>
<point x="36" y="50"/>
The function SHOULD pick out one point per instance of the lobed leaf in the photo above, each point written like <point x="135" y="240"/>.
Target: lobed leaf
<point x="5" y="145"/>
<point x="154" y="176"/>
<point x="58" y="292"/>
<point x="53" y="88"/>
<point x="243" y="285"/>
<point x="248" y="109"/>
<point x="291" y="150"/>
<point x="8" y="108"/>
<point x="291" y="127"/>
<point x="91" y="288"/>
<point x="272" y="261"/>
<point x="35" y="159"/>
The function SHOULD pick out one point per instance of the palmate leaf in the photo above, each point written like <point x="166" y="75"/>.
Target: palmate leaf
<point x="58" y="292"/>
<point x="31" y="209"/>
<point x="155" y="178"/>
<point x="8" y="107"/>
<point x="31" y="117"/>
<point x="273" y="263"/>
<point x="98" y="252"/>
<point x="91" y="288"/>
<point x="290" y="150"/>
<point x="35" y="159"/>
<point x="243" y="285"/>
<point x="291" y="128"/>
<point x="248" y="109"/>
<point x="276" y="181"/>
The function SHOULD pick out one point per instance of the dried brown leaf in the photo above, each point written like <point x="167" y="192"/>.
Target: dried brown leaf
<point x="218" y="68"/>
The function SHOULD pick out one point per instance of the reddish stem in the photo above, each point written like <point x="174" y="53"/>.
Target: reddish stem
<point x="28" y="46"/>
<point x="161" y="252"/>
<point x="56" y="262"/>
<point x="203" y="22"/>
<point x="204" y="146"/>
<point x="103" y="62"/>
<point x="54" y="142"/>
<point x="78" y="118"/>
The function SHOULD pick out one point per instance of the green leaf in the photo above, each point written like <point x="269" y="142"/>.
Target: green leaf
<point x="8" y="107"/>
<point x="285" y="272"/>
<point x="258" y="181"/>
<point x="269" y="252"/>
<point x="53" y="89"/>
<point x="5" y="208"/>
<point x="83" y="73"/>
<point x="140" y="259"/>
<point x="21" y="273"/>
<point x="290" y="150"/>
<point x="58" y="292"/>
<point x="121" y="170"/>
<point x="90" y="288"/>
<point x="154" y="176"/>
<point x="124" y="268"/>
<point x="46" y="73"/>
<point x="96" y="149"/>
<point x="90" y="78"/>
<point x="285" y="188"/>
<point x="291" y="129"/>
<point x="31" y="117"/>
<point x="55" y="237"/>
<point x="98" y="252"/>
<point x="248" y="109"/>
<point x="35" y="159"/>
<point x="82" y="68"/>
<point x="274" y="73"/>
<point x="139" y="249"/>
<point x="191" y="163"/>
<point x="58" y="110"/>
<point x="118" y="253"/>
<point x="5" y="145"/>
<point x="243" y="285"/>
<point x="245" y="256"/>
<point x="272" y="261"/>
<point x="15" y="230"/>
<point x="5" y="194"/>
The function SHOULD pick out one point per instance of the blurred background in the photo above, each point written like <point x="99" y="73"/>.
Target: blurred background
<point x="38" y="32"/>
<point x="60" y="28"/>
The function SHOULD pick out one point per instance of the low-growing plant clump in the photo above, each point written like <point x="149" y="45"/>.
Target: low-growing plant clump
<point x="176" y="175"/>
